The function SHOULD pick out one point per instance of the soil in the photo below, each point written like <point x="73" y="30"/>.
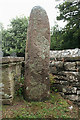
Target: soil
<point x="56" y="107"/>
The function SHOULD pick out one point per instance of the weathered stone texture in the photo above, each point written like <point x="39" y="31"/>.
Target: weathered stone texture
<point x="11" y="69"/>
<point x="71" y="53"/>
<point x="65" y="65"/>
<point x="71" y="66"/>
<point x="37" y="56"/>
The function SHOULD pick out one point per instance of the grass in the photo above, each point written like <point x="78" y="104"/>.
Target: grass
<point x="56" y="107"/>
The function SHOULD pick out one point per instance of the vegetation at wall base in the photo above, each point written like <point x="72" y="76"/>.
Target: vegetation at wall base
<point x="19" y="86"/>
<point x="56" y="107"/>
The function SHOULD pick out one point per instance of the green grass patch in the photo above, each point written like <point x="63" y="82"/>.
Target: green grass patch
<point x="56" y="107"/>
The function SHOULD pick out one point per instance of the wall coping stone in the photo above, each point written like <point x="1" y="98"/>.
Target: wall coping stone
<point x="9" y="59"/>
<point x="65" y="53"/>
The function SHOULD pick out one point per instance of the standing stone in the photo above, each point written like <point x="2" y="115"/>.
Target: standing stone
<point x="36" y="82"/>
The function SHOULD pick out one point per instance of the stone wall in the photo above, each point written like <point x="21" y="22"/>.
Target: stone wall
<point x="11" y="70"/>
<point x="65" y="66"/>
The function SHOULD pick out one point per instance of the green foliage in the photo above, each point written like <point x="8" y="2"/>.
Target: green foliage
<point x="68" y="37"/>
<point x="14" y="38"/>
<point x="52" y="81"/>
<point x="56" y="107"/>
<point x="19" y="86"/>
<point x="51" y="78"/>
<point x="1" y="28"/>
<point x="56" y="38"/>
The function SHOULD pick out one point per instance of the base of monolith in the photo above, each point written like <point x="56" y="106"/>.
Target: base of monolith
<point x="37" y="95"/>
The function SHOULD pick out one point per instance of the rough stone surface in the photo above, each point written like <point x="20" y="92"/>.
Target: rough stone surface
<point x="65" y="53"/>
<point x="70" y="66"/>
<point x="11" y="70"/>
<point x="37" y="56"/>
<point x="11" y="59"/>
<point x="65" y="65"/>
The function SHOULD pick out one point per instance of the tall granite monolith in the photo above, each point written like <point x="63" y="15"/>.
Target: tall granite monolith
<point x="36" y="83"/>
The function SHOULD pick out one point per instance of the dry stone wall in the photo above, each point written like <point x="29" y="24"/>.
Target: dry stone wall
<point x="65" y="66"/>
<point x="11" y="70"/>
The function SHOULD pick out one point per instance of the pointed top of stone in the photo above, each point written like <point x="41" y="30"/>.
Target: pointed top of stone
<point x="38" y="11"/>
<point x="37" y="7"/>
